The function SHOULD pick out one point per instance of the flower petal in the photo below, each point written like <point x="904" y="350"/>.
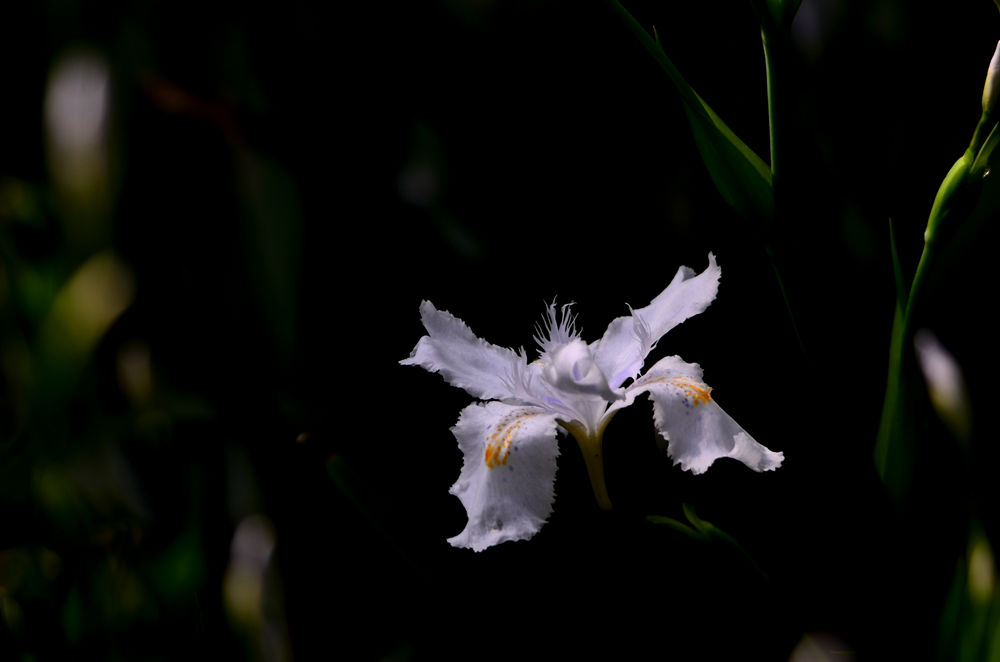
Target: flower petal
<point x="685" y="296"/>
<point x="619" y="353"/>
<point x="628" y="340"/>
<point x="697" y="430"/>
<point x="507" y="478"/>
<point x="452" y="349"/>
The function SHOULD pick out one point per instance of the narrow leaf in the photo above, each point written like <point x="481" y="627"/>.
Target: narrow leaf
<point x="783" y="11"/>
<point x="741" y="176"/>
<point x="892" y="447"/>
<point x="680" y="527"/>
<point x="902" y="291"/>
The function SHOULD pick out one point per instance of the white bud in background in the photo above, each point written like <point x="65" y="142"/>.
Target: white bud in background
<point x="945" y="383"/>
<point x="251" y="590"/>
<point x="77" y="102"/>
<point x="992" y="88"/>
<point x="982" y="570"/>
<point x="77" y="131"/>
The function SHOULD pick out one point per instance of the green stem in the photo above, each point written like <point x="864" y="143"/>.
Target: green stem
<point x="594" y="459"/>
<point x="591" y="445"/>
<point x="901" y="333"/>
<point x="954" y="184"/>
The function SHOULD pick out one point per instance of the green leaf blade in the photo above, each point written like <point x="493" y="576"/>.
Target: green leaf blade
<point x="740" y="175"/>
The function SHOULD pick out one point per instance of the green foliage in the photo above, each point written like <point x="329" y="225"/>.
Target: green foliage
<point x="957" y="201"/>
<point x="776" y="14"/>
<point x="706" y="532"/>
<point x="970" y="618"/>
<point x="742" y="177"/>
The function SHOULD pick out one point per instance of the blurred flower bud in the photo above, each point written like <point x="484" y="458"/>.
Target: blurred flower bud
<point x="992" y="88"/>
<point x="77" y="109"/>
<point x="982" y="569"/>
<point x="251" y="590"/>
<point x="945" y="383"/>
<point x="250" y="556"/>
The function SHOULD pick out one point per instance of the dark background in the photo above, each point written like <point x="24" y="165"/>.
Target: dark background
<point x="292" y="180"/>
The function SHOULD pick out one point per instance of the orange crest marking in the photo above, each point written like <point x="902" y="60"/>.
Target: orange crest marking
<point x="697" y="392"/>
<point x="501" y="438"/>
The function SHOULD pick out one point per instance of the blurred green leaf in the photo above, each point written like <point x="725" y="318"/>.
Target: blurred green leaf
<point x="349" y="483"/>
<point x="73" y="615"/>
<point x="785" y="9"/>
<point x="707" y="532"/>
<point x="273" y="224"/>
<point x="773" y="13"/>
<point x="902" y="291"/>
<point x="178" y="571"/>
<point x="680" y="527"/>
<point x="741" y="176"/>
<point x="83" y="310"/>
<point x="969" y="629"/>
<point x="698" y="529"/>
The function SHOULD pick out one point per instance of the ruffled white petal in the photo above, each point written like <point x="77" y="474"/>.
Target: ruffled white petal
<point x="666" y="368"/>
<point x="628" y="340"/>
<point x="686" y="296"/>
<point x="452" y="349"/>
<point x="507" y="478"/>
<point x="697" y="430"/>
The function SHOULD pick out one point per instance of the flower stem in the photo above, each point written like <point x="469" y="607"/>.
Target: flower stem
<point x="890" y="455"/>
<point x="591" y="446"/>
<point x="592" y="456"/>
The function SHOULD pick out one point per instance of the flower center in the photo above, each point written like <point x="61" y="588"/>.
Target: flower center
<point x="574" y="372"/>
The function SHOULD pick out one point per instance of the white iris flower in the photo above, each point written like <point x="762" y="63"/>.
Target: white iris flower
<point x="509" y="442"/>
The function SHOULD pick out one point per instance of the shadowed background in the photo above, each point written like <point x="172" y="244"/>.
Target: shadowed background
<point x="217" y="223"/>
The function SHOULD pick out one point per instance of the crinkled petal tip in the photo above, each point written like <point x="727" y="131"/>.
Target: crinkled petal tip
<point x="464" y="360"/>
<point x="697" y="430"/>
